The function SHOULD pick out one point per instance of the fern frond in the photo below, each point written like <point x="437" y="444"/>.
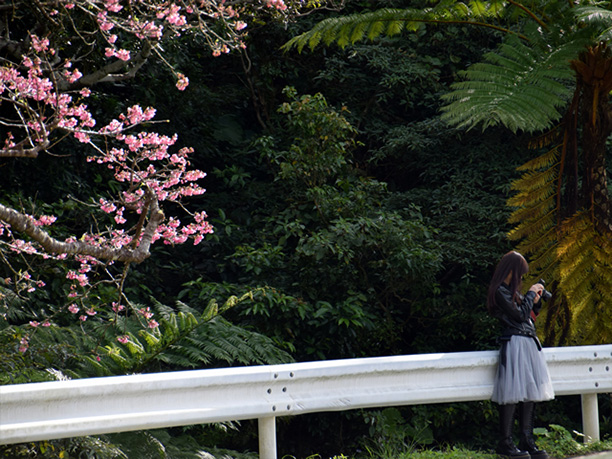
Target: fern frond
<point x="542" y="261"/>
<point x="574" y="231"/>
<point x="579" y="309"/>
<point x="535" y="210"/>
<point x="534" y="186"/>
<point x="553" y="136"/>
<point x="575" y="276"/>
<point x="523" y="199"/>
<point x="395" y="28"/>
<point x="535" y="182"/>
<point x="519" y="86"/>
<point x="585" y="270"/>
<point x="375" y="29"/>
<point x="534" y="233"/>
<point x="593" y="15"/>
<point x="542" y="209"/>
<point x="547" y="160"/>
<point x="350" y="29"/>
<point x="358" y="32"/>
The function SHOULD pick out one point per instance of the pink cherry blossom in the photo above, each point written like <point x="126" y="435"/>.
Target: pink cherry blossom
<point x="45" y="220"/>
<point x="113" y="5"/>
<point x="150" y="176"/>
<point x="182" y="82"/>
<point x="122" y="54"/>
<point x="24" y="344"/>
<point x="40" y="45"/>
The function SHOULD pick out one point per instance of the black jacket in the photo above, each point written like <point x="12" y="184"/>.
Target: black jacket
<point x="516" y="318"/>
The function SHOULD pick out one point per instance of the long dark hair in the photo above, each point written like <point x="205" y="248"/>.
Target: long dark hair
<point x="511" y="262"/>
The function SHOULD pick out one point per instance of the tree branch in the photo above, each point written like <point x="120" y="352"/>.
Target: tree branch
<point x="529" y="13"/>
<point x="25" y="224"/>
<point x="19" y="152"/>
<point x="108" y="73"/>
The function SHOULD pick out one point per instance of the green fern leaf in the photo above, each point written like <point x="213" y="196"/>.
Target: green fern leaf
<point x="394" y="28"/>
<point x="350" y="29"/>
<point x="375" y="30"/>
<point x="211" y="311"/>
<point x="519" y="86"/>
<point x="135" y="347"/>
<point x="586" y="277"/>
<point x="542" y="209"/>
<point x="594" y="15"/>
<point x="358" y="32"/>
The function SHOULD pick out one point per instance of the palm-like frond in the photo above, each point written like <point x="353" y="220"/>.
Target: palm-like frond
<point x="520" y="86"/>
<point x="585" y="268"/>
<point x="599" y="18"/>
<point x="185" y="339"/>
<point x="572" y="255"/>
<point x="535" y="214"/>
<point x="353" y="28"/>
<point x="12" y="307"/>
<point x="350" y="29"/>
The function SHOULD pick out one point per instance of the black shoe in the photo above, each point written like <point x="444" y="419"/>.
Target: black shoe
<point x="526" y="423"/>
<point x="507" y="449"/>
<point x="528" y="444"/>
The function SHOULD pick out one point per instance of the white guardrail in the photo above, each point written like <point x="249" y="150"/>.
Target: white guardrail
<point x="61" y="409"/>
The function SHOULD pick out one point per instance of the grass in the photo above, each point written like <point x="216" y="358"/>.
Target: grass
<point x="556" y="440"/>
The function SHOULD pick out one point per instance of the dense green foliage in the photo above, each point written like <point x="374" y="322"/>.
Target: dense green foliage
<point x="525" y="84"/>
<point x="350" y="221"/>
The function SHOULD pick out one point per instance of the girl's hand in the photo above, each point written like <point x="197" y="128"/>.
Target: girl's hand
<point x="537" y="289"/>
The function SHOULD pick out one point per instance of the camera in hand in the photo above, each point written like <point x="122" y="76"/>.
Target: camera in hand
<point x="546" y="295"/>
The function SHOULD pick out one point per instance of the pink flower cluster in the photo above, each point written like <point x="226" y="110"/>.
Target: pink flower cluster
<point x="156" y="19"/>
<point x="278" y="4"/>
<point x="147" y="314"/>
<point x="182" y="82"/>
<point x="24" y="344"/>
<point x="32" y="88"/>
<point x="145" y="164"/>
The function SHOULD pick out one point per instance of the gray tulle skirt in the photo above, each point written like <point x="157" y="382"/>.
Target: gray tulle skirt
<point x="522" y="374"/>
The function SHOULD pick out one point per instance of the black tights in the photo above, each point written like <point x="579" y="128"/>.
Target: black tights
<point x="525" y="417"/>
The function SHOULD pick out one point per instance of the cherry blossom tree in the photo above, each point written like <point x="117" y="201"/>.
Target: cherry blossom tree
<point x="53" y="53"/>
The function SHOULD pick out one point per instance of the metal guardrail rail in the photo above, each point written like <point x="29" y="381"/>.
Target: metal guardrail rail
<point x="61" y="409"/>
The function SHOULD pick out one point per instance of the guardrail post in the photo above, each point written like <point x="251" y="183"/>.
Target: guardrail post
<point x="267" y="437"/>
<point x="590" y="417"/>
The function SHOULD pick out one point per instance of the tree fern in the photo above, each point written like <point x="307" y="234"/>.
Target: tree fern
<point x="571" y="255"/>
<point x="547" y="70"/>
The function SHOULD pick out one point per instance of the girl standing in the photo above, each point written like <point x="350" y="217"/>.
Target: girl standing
<point x="522" y="375"/>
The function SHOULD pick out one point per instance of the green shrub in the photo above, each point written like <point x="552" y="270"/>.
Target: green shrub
<point x="559" y="442"/>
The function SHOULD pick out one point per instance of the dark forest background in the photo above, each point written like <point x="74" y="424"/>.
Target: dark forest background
<point x="363" y="225"/>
